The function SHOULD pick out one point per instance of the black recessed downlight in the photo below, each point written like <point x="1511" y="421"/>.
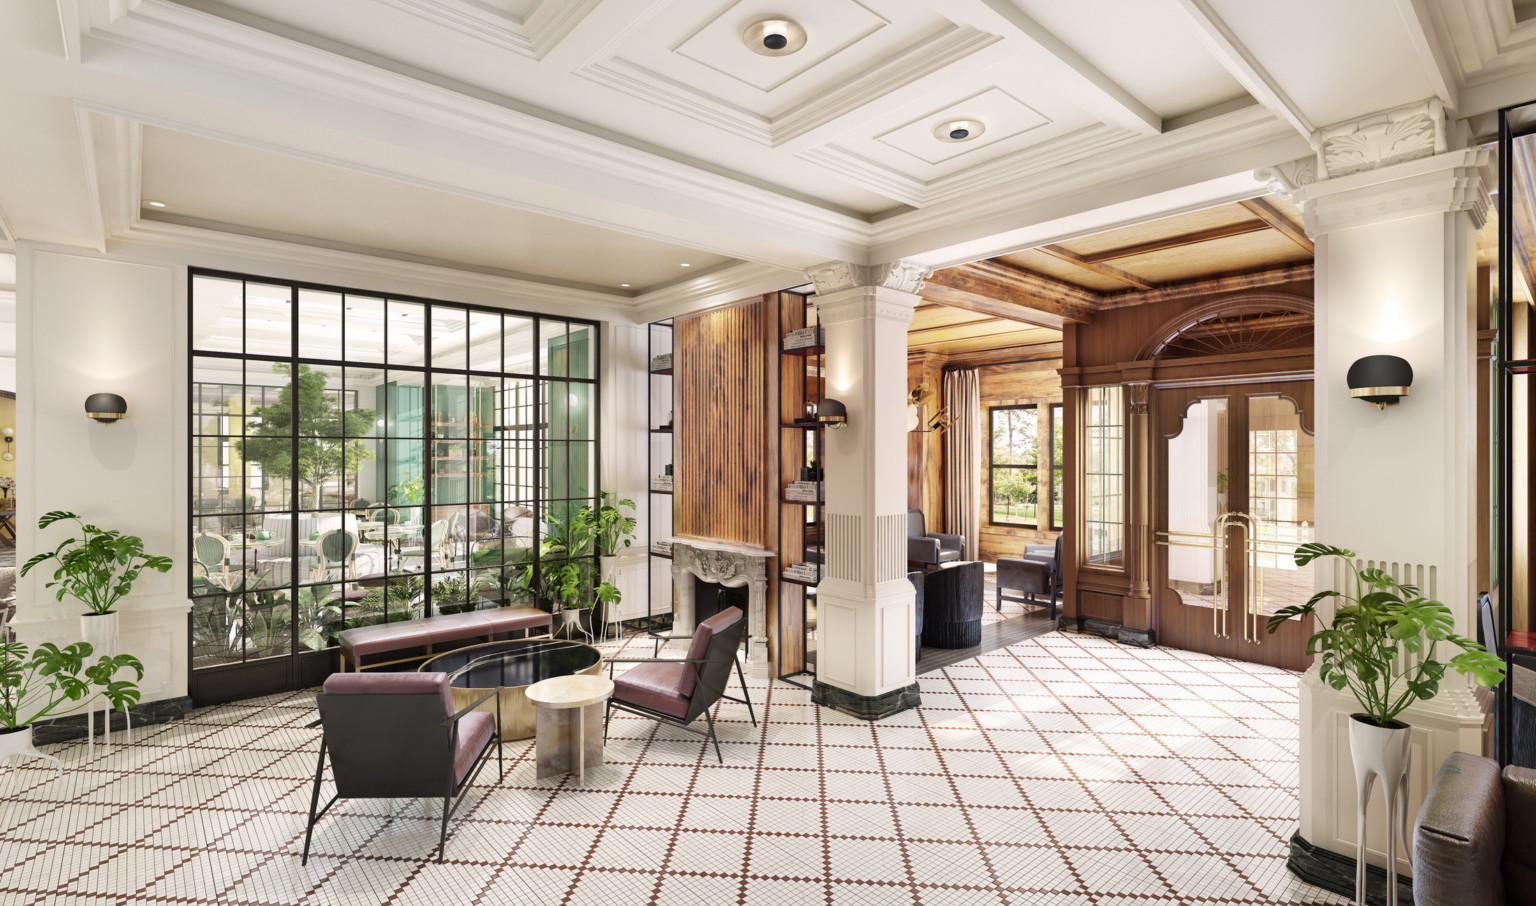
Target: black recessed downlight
<point x="959" y="134"/>
<point x="775" y="41"/>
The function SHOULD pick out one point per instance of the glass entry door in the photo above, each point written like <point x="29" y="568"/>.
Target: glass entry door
<point x="1234" y="498"/>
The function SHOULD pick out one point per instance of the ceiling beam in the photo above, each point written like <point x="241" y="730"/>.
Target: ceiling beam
<point x="1237" y="60"/>
<point x="1005" y="291"/>
<point x="1262" y="209"/>
<point x="1275" y="276"/>
<point x="1007" y="355"/>
<point x="1211" y="234"/>
<point x="1103" y="270"/>
<point x="1100" y="95"/>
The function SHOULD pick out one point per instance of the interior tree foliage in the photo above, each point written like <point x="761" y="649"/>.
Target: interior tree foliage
<point x="1363" y="648"/>
<point x="329" y="444"/>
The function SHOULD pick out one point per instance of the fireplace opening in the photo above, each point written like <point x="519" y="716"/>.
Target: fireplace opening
<point x="709" y="598"/>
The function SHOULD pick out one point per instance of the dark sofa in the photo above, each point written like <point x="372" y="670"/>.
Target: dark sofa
<point x="1474" y="843"/>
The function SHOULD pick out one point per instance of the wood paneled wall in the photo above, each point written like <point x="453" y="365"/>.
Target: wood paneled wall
<point x="1027" y="383"/>
<point x="726" y="471"/>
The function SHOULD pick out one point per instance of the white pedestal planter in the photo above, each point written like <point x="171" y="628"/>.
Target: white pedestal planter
<point x="609" y="567"/>
<point x="18" y="744"/>
<point x="1381" y="752"/>
<point x="99" y="630"/>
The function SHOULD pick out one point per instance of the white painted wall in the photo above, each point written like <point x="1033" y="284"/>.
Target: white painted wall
<point x="89" y="324"/>
<point x="1394" y="274"/>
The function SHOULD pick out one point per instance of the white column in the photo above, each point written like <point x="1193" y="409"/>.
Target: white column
<point x="1394" y="270"/>
<point x="866" y="625"/>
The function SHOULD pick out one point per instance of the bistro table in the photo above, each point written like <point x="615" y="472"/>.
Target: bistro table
<point x="8" y="525"/>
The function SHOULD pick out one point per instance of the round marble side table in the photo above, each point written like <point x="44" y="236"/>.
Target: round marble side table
<point x="569" y="723"/>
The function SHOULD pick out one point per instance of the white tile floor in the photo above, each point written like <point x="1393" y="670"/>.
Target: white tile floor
<point x="1063" y="770"/>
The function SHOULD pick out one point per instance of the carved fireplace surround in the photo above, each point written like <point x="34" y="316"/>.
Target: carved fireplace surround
<point x="731" y="565"/>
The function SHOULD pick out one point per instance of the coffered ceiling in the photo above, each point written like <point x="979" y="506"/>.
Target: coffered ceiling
<point x="589" y="143"/>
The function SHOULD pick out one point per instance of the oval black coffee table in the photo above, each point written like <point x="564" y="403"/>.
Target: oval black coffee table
<point x="512" y="666"/>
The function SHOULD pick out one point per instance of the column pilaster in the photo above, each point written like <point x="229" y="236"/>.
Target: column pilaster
<point x="866" y="659"/>
<point x="1137" y="626"/>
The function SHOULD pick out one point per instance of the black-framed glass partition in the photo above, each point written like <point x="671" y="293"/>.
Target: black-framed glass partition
<point x="359" y="458"/>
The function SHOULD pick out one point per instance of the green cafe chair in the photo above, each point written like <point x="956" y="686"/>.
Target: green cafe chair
<point x="437" y="545"/>
<point x="210" y="553"/>
<point x="337" y="550"/>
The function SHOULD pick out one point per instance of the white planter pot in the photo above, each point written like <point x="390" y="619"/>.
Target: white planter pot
<point x="100" y="632"/>
<point x="1380" y="752"/>
<point x="609" y="567"/>
<point x="18" y="744"/>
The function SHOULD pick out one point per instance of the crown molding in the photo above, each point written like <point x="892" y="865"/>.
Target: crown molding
<point x="719" y="287"/>
<point x="1456" y="181"/>
<point x="112" y="150"/>
<point x="487" y="131"/>
<point x="532" y="36"/>
<point x="144" y="237"/>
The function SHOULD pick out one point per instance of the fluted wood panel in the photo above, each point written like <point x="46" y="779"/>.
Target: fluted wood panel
<point x="726" y="472"/>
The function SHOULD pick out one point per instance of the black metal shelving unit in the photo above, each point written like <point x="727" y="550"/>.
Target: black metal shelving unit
<point x="793" y="436"/>
<point x="658" y="341"/>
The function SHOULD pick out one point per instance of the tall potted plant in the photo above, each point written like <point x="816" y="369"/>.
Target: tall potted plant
<point x="35" y="683"/>
<point x="1382" y="646"/>
<point x="611" y="531"/>
<point x="98" y="569"/>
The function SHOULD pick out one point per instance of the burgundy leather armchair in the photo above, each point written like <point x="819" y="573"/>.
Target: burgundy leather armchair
<point x="397" y="736"/>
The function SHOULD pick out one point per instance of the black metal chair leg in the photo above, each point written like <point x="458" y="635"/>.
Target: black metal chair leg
<point x="712" y="736"/>
<point x="607" y="719"/>
<point x="745" y="695"/>
<point x="314" y="802"/>
<point x="442" y="838"/>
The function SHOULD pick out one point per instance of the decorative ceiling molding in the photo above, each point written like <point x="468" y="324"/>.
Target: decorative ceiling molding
<point x="533" y="35"/>
<point x="719" y="287"/>
<point x="368" y="272"/>
<point x="1267" y="212"/>
<point x="1223" y="44"/>
<point x="1284" y="179"/>
<point x="926" y="55"/>
<point x="1381" y="139"/>
<point x="1444" y="183"/>
<point x="112" y="150"/>
<point x="379" y="104"/>
<point x="1098" y="267"/>
<point x="838" y="276"/>
<point x="1005" y="171"/>
<point x="1227" y="283"/>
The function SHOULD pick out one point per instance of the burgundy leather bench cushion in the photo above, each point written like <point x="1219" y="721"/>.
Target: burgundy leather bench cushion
<point x="365" y="640"/>
<point x="391" y="684"/>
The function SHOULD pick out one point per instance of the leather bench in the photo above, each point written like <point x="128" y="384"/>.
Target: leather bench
<point x="361" y="641"/>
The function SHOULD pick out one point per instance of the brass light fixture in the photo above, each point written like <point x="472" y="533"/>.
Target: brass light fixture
<point x="107" y="408"/>
<point x="832" y="413"/>
<point x="774" y="37"/>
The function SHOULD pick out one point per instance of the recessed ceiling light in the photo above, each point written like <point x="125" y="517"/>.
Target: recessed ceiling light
<point x="959" y="130"/>
<point x="686" y="264"/>
<point x="774" y="37"/>
<point x="624" y="285"/>
<point x="155" y="204"/>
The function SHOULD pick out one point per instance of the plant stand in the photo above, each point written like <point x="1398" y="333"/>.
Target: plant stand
<point x="1381" y="752"/>
<point x="18" y="743"/>
<point x="99" y="630"/>
<point x="568" y="623"/>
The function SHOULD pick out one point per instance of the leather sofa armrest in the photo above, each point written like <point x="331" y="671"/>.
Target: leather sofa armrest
<point x="1520" y="836"/>
<point x="923" y="550"/>
<point x="1458" y="840"/>
<point x="954" y="542"/>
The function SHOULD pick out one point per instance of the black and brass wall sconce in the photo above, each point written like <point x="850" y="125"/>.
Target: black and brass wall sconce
<point x="1381" y="380"/>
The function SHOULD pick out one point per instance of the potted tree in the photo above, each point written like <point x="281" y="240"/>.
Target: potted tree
<point x="97" y="569"/>
<point x="1382" y="646"/>
<point x="35" y="683"/>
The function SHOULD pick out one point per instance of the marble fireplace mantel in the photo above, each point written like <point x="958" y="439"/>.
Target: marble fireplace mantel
<point x="732" y="565"/>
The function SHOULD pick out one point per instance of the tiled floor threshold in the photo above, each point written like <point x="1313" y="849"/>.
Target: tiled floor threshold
<point x="1061" y="770"/>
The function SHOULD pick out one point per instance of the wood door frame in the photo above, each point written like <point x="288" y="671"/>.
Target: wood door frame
<point x="1192" y="630"/>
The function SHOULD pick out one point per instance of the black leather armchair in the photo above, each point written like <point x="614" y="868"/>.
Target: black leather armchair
<point x="1474" y="843"/>
<point x="931" y="549"/>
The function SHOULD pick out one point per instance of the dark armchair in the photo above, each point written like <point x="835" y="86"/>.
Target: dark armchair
<point x="952" y="606"/>
<point x="1024" y="581"/>
<point x="1474" y="843"/>
<point x="678" y="691"/>
<point x="931" y="549"/>
<point x="397" y="736"/>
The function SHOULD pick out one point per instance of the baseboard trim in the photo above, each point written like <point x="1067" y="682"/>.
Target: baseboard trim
<point x="866" y="707"/>
<point x="1137" y="638"/>
<point x="73" y="726"/>
<point x="1098" y="627"/>
<point x="1336" y="873"/>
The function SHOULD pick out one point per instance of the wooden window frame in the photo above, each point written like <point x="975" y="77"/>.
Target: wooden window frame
<point x="992" y="466"/>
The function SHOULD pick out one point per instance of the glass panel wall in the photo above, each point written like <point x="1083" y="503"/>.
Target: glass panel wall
<point x="359" y="459"/>
<point x="1104" y="494"/>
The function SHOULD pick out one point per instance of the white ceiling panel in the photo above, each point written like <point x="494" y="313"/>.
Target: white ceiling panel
<point x="832" y="27"/>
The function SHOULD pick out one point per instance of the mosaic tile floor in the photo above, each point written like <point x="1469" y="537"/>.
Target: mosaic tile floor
<point x="1062" y="770"/>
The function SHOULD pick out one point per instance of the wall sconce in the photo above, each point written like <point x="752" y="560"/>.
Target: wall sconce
<point x="10" y="438"/>
<point x="106" y="408"/>
<point x="832" y="413"/>
<point x="1381" y="380"/>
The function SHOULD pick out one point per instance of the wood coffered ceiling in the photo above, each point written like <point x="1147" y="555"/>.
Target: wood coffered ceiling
<point x="992" y="308"/>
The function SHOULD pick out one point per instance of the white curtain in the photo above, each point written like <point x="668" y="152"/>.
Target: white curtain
<point x="962" y="459"/>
